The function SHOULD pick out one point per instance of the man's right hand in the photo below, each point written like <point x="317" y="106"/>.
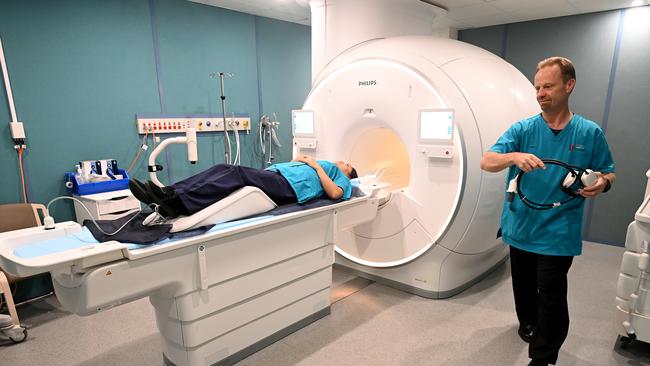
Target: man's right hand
<point x="527" y="162"/>
<point x="496" y="162"/>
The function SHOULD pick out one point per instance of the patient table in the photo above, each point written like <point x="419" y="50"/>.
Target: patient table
<point x="219" y="296"/>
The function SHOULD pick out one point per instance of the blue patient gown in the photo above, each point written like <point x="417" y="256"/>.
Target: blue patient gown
<point x="305" y="182"/>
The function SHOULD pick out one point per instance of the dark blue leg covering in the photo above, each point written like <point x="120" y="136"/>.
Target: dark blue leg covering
<point x="219" y="181"/>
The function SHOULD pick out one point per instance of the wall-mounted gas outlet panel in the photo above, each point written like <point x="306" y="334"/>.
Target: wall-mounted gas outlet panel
<point x="178" y="124"/>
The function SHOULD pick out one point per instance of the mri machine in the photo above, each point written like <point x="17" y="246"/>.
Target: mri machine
<point x="379" y="106"/>
<point x="429" y="223"/>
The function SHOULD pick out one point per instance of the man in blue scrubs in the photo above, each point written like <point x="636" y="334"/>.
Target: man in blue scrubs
<point x="544" y="242"/>
<point x="298" y="181"/>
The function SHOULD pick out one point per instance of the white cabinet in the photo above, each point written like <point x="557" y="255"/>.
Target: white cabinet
<point x="106" y="205"/>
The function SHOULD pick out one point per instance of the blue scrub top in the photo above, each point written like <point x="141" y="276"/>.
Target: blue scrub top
<point x="556" y="231"/>
<point x="305" y="182"/>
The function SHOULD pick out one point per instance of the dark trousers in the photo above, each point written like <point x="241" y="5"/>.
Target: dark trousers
<point x="539" y="283"/>
<point x="213" y="184"/>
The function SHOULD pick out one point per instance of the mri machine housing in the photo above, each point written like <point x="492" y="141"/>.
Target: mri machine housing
<point x="436" y="229"/>
<point x="634" y="278"/>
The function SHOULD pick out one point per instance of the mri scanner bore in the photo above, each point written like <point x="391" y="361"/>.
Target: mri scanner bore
<point x="416" y="113"/>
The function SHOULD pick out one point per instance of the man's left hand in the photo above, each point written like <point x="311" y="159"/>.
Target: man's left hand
<point x="596" y="188"/>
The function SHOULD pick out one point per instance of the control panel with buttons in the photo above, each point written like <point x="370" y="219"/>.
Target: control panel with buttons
<point x="160" y="125"/>
<point x="436" y="151"/>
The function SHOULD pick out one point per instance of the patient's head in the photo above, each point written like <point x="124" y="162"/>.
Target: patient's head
<point x="347" y="169"/>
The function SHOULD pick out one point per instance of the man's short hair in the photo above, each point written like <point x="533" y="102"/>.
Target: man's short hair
<point x="353" y="174"/>
<point x="566" y="67"/>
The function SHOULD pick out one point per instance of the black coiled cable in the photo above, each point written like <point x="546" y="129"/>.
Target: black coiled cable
<point x="575" y="171"/>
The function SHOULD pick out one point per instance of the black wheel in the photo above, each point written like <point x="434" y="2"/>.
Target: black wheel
<point x="20" y="338"/>
<point x="625" y="341"/>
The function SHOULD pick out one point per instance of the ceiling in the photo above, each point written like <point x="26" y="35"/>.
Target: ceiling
<point x="462" y="14"/>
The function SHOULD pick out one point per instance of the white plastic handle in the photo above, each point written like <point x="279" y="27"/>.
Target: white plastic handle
<point x="632" y="302"/>
<point x="192" y="153"/>
<point x="203" y="267"/>
<point x="643" y="261"/>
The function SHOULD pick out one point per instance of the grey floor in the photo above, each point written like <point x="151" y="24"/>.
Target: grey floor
<point x="370" y="324"/>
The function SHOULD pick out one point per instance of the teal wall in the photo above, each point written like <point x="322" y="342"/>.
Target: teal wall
<point x="279" y="91"/>
<point x="612" y="57"/>
<point x="81" y="69"/>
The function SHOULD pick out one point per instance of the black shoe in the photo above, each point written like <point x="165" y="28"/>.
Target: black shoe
<point x="140" y="191"/>
<point x="169" y="197"/>
<point x="167" y="200"/>
<point x="161" y="192"/>
<point x="537" y="362"/>
<point x="527" y="332"/>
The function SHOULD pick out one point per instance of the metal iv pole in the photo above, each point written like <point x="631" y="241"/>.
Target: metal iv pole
<point x="226" y="137"/>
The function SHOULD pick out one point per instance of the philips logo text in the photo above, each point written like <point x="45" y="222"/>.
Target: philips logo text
<point x="368" y="83"/>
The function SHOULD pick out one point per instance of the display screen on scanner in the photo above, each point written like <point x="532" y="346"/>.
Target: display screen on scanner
<point x="303" y="122"/>
<point x="436" y="125"/>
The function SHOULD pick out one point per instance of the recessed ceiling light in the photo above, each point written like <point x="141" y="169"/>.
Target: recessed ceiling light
<point x="637" y="3"/>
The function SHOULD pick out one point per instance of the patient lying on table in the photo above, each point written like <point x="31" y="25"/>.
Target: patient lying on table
<point x="300" y="180"/>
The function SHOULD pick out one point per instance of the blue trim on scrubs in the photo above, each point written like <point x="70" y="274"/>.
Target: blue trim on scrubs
<point x="305" y="182"/>
<point x="557" y="231"/>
